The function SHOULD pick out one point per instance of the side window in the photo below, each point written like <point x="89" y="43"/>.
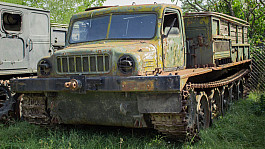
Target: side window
<point x="168" y="20"/>
<point x="11" y="22"/>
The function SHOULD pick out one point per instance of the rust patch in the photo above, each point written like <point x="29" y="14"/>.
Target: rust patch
<point x="137" y="86"/>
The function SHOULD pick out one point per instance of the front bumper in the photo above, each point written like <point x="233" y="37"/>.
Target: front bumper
<point x="119" y="84"/>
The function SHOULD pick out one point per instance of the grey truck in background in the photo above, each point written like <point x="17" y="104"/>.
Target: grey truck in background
<point x="26" y="35"/>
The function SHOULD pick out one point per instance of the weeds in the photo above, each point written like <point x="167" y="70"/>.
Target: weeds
<point x="242" y="127"/>
<point x="259" y="109"/>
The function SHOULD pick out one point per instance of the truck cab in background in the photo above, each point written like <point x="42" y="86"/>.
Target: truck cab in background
<point x="25" y="37"/>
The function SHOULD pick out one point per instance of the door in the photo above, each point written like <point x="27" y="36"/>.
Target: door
<point x="39" y="37"/>
<point x="173" y="42"/>
<point x="12" y="39"/>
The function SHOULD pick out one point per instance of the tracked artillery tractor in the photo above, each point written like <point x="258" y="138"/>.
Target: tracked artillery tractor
<point x="141" y="66"/>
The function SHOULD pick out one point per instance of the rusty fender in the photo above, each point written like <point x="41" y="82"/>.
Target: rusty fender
<point x="82" y="84"/>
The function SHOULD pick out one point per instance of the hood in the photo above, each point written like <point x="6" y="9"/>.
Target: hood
<point x="123" y="47"/>
<point x="109" y="55"/>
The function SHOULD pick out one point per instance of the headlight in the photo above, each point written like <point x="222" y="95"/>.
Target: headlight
<point x="126" y="64"/>
<point x="44" y="67"/>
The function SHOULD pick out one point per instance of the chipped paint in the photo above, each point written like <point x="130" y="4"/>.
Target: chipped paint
<point x="204" y="20"/>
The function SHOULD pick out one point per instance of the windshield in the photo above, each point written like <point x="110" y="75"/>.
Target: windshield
<point x="133" y="26"/>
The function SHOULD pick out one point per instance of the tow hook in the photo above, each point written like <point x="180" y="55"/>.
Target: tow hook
<point x="73" y="84"/>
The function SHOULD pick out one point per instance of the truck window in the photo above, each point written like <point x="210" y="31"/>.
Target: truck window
<point x="132" y="26"/>
<point x="168" y="20"/>
<point x="128" y="26"/>
<point x="11" y="22"/>
<point x="90" y="29"/>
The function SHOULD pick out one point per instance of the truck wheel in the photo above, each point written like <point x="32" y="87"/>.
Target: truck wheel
<point x="203" y="110"/>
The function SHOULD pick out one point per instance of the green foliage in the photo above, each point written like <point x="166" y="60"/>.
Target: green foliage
<point x="259" y="109"/>
<point x="61" y="10"/>
<point x="249" y="10"/>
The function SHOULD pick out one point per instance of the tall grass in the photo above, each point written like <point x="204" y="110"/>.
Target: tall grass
<point x="241" y="127"/>
<point x="24" y="135"/>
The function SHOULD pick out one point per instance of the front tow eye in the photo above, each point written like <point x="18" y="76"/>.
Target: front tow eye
<point x="73" y="84"/>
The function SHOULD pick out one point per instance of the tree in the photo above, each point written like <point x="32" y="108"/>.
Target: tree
<point x="61" y="10"/>
<point x="249" y="10"/>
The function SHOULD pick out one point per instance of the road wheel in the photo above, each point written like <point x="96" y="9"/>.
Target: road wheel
<point x="235" y="92"/>
<point x="216" y="103"/>
<point x="225" y="99"/>
<point x="203" y="110"/>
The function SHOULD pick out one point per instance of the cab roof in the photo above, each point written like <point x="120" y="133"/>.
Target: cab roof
<point x="125" y="9"/>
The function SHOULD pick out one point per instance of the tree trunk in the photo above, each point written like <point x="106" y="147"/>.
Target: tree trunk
<point x="229" y="5"/>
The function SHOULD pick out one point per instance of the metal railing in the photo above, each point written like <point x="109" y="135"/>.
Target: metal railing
<point x="256" y="81"/>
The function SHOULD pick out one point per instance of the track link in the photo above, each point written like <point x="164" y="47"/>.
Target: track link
<point x="34" y="109"/>
<point x="181" y="126"/>
<point x="7" y="103"/>
<point x="173" y="125"/>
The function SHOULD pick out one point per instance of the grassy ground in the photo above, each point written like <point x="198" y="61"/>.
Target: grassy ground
<point x="242" y="127"/>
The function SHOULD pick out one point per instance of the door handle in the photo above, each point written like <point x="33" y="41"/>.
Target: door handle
<point x="30" y="44"/>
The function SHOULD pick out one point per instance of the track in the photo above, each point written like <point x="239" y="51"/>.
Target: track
<point x="34" y="109"/>
<point x="7" y="104"/>
<point x="200" y="108"/>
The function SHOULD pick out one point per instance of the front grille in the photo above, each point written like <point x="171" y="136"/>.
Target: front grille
<point x="94" y="63"/>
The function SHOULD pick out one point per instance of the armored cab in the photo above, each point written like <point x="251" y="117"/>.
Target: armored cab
<point x="133" y="66"/>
